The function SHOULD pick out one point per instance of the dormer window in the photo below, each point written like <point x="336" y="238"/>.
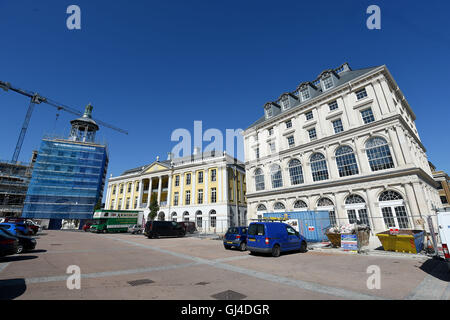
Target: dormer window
<point x="285" y="102"/>
<point x="327" y="83"/>
<point x="305" y="94"/>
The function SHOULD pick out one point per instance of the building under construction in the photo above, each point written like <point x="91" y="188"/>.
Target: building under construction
<point x="68" y="176"/>
<point x="14" y="180"/>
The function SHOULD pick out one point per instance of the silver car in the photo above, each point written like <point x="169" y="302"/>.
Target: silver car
<point x="135" y="229"/>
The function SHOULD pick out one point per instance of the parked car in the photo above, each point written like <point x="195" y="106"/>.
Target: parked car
<point x="16" y="228"/>
<point x="236" y="237"/>
<point x="188" y="226"/>
<point x="135" y="229"/>
<point x="33" y="226"/>
<point x="30" y="223"/>
<point x="155" y="229"/>
<point x="25" y="243"/>
<point x="8" y="244"/>
<point x="274" y="238"/>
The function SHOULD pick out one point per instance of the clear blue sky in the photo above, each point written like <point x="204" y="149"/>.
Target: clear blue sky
<point x="153" y="66"/>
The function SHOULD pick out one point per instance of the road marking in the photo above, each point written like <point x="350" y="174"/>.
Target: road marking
<point x="102" y="274"/>
<point x="232" y="258"/>
<point x="3" y="265"/>
<point x="305" y="285"/>
<point x="432" y="288"/>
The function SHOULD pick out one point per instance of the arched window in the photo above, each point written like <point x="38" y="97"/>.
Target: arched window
<point x="319" y="167"/>
<point x="198" y="219"/>
<point x="393" y="210"/>
<point x="174" y="216"/>
<point x="278" y="206"/>
<point x="186" y="216"/>
<point x="161" y="216"/>
<point x="295" y="172"/>
<point x="277" y="179"/>
<point x="356" y="209"/>
<point x="261" y="207"/>
<point x="327" y="205"/>
<point x="346" y="161"/>
<point x="259" y="180"/>
<point x="212" y="219"/>
<point x="300" y="204"/>
<point x="379" y="154"/>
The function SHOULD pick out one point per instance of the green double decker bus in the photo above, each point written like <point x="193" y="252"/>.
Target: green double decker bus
<point x="115" y="220"/>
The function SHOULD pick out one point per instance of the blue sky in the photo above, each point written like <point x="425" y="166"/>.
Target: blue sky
<point x="151" y="67"/>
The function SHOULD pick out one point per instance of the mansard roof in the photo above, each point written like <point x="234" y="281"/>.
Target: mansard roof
<point x="344" y="75"/>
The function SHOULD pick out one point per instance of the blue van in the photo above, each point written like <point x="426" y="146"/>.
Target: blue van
<point x="274" y="238"/>
<point x="236" y="237"/>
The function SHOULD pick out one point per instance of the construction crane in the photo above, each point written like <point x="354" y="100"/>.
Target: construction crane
<point x="35" y="99"/>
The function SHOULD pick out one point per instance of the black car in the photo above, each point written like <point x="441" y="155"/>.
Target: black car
<point x="155" y="229"/>
<point x="24" y="243"/>
<point x="8" y="244"/>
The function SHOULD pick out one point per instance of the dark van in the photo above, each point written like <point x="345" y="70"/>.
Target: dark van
<point x="156" y="229"/>
<point x="274" y="238"/>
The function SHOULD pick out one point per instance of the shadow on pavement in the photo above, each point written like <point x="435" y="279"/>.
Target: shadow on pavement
<point x="17" y="258"/>
<point x="37" y="251"/>
<point x="12" y="288"/>
<point x="436" y="268"/>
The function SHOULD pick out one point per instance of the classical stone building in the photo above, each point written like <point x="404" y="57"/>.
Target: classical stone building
<point x="345" y="142"/>
<point x="208" y="188"/>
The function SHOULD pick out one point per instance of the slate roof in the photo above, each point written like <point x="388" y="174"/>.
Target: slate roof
<point x="344" y="77"/>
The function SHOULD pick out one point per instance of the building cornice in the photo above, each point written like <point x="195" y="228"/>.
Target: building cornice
<point x="348" y="134"/>
<point x="389" y="174"/>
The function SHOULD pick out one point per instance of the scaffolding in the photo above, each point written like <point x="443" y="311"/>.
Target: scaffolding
<point x="14" y="180"/>
<point x="67" y="180"/>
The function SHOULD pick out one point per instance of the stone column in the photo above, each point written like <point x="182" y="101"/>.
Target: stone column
<point x="403" y="143"/>
<point x="331" y="164"/>
<point x="159" y="189"/>
<point x="306" y="168"/>
<point x="193" y="183"/>
<point x="169" y="192"/>
<point x="149" y="196"/>
<point x="141" y="192"/>
<point x="395" y="146"/>
<point x="361" y="156"/>
<point x="133" y="189"/>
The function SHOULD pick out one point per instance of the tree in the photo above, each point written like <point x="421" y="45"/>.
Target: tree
<point x="98" y="206"/>
<point x="154" y="208"/>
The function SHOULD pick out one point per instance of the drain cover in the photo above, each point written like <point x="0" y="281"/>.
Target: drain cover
<point x="228" y="295"/>
<point x="56" y="244"/>
<point x="201" y="283"/>
<point x="140" y="282"/>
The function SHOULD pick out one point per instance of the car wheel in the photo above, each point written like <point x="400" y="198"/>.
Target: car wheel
<point x="276" y="251"/>
<point x="227" y="247"/>
<point x="243" y="246"/>
<point x="303" y="246"/>
<point x="19" y="249"/>
<point x="156" y="236"/>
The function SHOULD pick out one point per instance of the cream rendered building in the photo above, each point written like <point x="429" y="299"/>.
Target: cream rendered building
<point x="208" y="188"/>
<point x="345" y="142"/>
